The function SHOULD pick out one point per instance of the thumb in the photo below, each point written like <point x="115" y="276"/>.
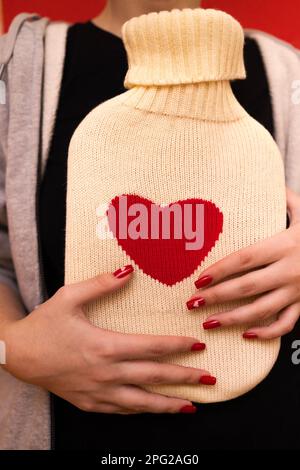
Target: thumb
<point x="83" y="292"/>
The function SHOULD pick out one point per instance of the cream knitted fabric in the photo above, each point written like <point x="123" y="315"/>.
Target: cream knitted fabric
<point x="177" y="136"/>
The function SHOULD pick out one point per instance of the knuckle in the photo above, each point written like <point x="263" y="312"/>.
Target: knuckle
<point x="214" y="297"/>
<point x="86" y="405"/>
<point x="266" y="312"/>
<point x="297" y="284"/>
<point x="183" y="343"/>
<point x="106" y="350"/>
<point x="64" y="294"/>
<point x="139" y="408"/>
<point x="157" y="350"/>
<point x="231" y="318"/>
<point x="286" y="329"/>
<point x="104" y="377"/>
<point x="156" y="377"/>
<point x="292" y="245"/>
<point x="191" y="376"/>
<point x="221" y="274"/>
<point x="268" y="335"/>
<point x="105" y="374"/>
<point x="103" y="282"/>
<point x="88" y="356"/>
<point x="245" y="259"/>
<point x="262" y="312"/>
<point x="171" y="408"/>
<point x="97" y="352"/>
<point x="248" y="288"/>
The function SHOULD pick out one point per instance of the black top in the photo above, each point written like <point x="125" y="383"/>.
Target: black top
<point x="94" y="70"/>
<point x="266" y="417"/>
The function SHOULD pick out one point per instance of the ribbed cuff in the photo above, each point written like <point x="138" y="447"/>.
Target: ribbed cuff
<point x="183" y="46"/>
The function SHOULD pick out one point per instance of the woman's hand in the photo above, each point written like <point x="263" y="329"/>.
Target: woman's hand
<point x="275" y="275"/>
<point x="57" y="348"/>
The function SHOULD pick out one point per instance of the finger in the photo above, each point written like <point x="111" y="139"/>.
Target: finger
<point x="143" y="372"/>
<point x="141" y="401"/>
<point x="86" y="291"/>
<point x="130" y="346"/>
<point x="248" y="285"/>
<point x="107" y="408"/>
<point x="262" y="308"/>
<point x="260" y="254"/>
<point x="282" y="326"/>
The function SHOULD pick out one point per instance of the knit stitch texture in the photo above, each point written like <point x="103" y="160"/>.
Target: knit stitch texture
<point x="178" y="135"/>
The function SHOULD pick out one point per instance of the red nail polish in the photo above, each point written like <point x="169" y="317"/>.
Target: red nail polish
<point x="198" y="347"/>
<point x="210" y="324"/>
<point x="249" y="335"/>
<point x="203" y="281"/>
<point x="207" y="380"/>
<point x="188" y="409"/>
<point x="122" y="272"/>
<point x="195" y="303"/>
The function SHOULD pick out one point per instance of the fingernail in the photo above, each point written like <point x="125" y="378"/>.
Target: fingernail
<point x="203" y="281"/>
<point x="207" y="380"/>
<point x="209" y="325"/>
<point x="249" y="335"/>
<point x="188" y="409"/>
<point x="198" y="347"/>
<point x="195" y="303"/>
<point x="122" y="272"/>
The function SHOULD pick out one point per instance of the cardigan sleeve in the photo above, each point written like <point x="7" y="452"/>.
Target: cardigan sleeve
<point x="282" y="63"/>
<point x="7" y="272"/>
<point x="293" y="133"/>
<point x="7" y="42"/>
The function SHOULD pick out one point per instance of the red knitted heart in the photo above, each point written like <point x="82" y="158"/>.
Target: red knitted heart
<point x="161" y="254"/>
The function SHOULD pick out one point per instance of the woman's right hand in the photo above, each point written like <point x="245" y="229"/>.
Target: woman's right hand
<point x="57" y="348"/>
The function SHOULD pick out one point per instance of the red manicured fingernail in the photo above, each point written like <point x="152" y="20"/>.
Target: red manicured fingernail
<point x="195" y="303"/>
<point x="203" y="281"/>
<point x="198" y="347"/>
<point x="188" y="409"/>
<point x="207" y="380"/>
<point x="122" y="272"/>
<point x="210" y="324"/>
<point x="249" y="335"/>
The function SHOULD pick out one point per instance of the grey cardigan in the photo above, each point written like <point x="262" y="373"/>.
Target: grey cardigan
<point x="32" y="54"/>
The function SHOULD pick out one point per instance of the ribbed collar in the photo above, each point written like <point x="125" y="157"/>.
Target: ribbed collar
<point x="183" y="46"/>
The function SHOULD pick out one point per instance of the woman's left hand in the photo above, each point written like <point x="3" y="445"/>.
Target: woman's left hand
<point x="275" y="275"/>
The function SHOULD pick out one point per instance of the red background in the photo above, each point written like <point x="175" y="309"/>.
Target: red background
<point x="275" y="16"/>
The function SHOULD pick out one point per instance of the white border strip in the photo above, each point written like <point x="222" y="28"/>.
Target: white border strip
<point x="2" y="353"/>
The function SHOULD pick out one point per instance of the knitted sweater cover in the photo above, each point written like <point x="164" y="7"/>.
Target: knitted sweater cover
<point x="171" y="176"/>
